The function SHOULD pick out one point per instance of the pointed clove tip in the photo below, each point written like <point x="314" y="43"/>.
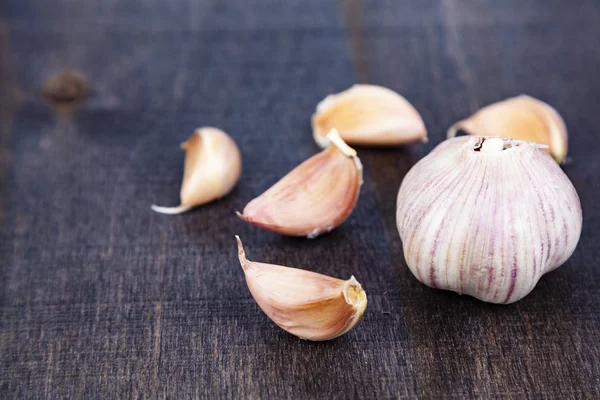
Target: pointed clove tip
<point x="243" y="217"/>
<point x="241" y="253"/>
<point x="334" y="138"/>
<point x="239" y="244"/>
<point x="197" y="134"/>
<point x="170" y="210"/>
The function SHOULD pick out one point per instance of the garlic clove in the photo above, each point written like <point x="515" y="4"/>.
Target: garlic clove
<point x="312" y="199"/>
<point x="368" y="115"/>
<point x="487" y="217"/>
<point x="522" y="117"/>
<point x="306" y="304"/>
<point x="213" y="165"/>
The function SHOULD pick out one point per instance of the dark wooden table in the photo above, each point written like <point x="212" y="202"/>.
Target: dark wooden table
<point x="102" y="298"/>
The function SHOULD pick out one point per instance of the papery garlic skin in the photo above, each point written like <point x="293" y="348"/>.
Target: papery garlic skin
<point x="312" y="199"/>
<point x="368" y="115"/>
<point x="213" y="165"/>
<point x="306" y="304"/>
<point x="487" y="220"/>
<point x="522" y="117"/>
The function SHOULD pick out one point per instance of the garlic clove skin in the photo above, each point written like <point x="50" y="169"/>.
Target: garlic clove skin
<point x="368" y="115"/>
<point x="487" y="217"/>
<point x="306" y="304"/>
<point x="213" y="165"/>
<point x="522" y="117"/>
<point x="314" y="198"/>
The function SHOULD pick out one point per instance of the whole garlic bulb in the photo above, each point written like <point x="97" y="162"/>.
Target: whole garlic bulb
<point x="487" y="217"/>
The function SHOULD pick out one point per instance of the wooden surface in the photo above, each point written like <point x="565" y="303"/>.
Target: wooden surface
<point x="102" y="298"/>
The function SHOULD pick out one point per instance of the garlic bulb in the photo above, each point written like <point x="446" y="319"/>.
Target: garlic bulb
<point x="306" y="304"/>
<point x="487" y="217"/>
<point x="314" y="198"/>
<point x="213" y="165"/>
<point x="522" y="117"/>
<point x="368" y="115"/>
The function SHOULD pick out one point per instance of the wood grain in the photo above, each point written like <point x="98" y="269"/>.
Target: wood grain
<point x="102" y="298"/>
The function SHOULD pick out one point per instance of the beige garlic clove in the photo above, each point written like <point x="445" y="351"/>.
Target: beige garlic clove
<point x="368" y="115"/>
<point x="306" y="304"/>
<point x="312" y="199"/>
<point x="522" y="117"/>
<point x="487" y="217"/>
<point x="213" y="165"/>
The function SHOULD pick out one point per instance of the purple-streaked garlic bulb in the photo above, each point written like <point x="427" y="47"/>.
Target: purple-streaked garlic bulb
<point x="487" y="217"/>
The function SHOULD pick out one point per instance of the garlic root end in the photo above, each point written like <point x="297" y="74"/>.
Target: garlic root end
<point x="353" y="292"/>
